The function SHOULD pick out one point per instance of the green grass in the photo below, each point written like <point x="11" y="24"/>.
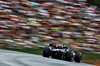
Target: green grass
<point x="32" y="51"/>
<point x="90" y="56"/>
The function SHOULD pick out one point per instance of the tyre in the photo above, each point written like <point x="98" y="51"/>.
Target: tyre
<point x="78" y="57"/>
<point x="46" y="52"/>
<point x="69" y="56"/>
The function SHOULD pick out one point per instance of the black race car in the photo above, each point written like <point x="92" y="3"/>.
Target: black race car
<point x="62" y="52"/>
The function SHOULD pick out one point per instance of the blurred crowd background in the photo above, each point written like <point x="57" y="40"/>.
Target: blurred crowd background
<point x="33" y="24"/>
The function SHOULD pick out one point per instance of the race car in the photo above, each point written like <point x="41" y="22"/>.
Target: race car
<point x="62" y="52"/>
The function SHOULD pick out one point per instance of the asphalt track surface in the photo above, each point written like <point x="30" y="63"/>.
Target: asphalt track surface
<point x="13" y="58"/>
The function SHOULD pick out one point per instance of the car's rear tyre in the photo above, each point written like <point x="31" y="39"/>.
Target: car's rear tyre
<point x="69" y="56"/>
<point x="46" y="52"/>
<point x="78" y="57"/>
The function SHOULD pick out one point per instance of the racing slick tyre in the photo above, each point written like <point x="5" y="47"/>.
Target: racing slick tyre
<point x="46" y="52"/>
<point x="69" y="56"/>
<point x="78" y="57"/>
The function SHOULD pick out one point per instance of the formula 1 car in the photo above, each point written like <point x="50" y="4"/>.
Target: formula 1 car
<point x="62" y="53"/>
